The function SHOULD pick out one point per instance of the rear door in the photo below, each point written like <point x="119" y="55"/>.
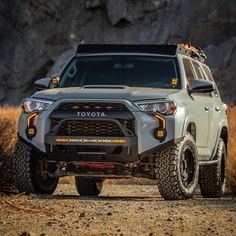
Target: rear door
<point x="201" y="108"/>
<point x="217" y="111"/>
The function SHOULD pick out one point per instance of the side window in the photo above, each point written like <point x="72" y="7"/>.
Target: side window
<point x="188" y="71"/>
<point x="210" y="77"/>
<point x="198" y="71"/>
<point x="208" y="73"/>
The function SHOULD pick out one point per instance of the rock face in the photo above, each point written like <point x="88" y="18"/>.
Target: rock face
<point x="35" y="33"/>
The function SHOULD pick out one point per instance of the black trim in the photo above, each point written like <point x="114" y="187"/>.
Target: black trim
<point x="160" y="147"/>
<point x="29" y="144"/>
<point x="123" y="115"/>
<point x="129" y="152"/>
<point x="123" y="129"/>
<point x="165" y="49"/>
<point x="138" y="48"/>
<point x="92" y="152"/>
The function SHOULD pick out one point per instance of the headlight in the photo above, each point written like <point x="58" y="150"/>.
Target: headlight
<point x="163" y="107"/>
<point x="30" y="105"/>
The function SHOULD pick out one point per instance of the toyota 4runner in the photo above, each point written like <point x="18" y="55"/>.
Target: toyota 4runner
<point x="122" y="111"/>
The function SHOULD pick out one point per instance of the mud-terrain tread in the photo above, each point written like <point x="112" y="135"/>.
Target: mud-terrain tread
<point x="24" y="172"/>
<point x="166" y="163"/>
<point x="87" y="186"/>
<point x="210" y="176"/>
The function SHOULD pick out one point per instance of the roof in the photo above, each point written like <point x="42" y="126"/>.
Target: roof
<point x="166" y="49"/>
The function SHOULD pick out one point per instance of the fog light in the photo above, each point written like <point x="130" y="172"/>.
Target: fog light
<point x="31" y="131"/>
<point x="160" y="133"/>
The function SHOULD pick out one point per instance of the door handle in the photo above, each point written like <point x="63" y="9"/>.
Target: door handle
<point x="217" y="108"/>
<point x="206" y="108"/>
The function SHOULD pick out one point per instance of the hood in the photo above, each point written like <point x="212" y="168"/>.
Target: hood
<point x="128" y="93"/>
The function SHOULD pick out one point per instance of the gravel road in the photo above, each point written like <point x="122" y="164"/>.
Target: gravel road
<point x="120" y="210"/>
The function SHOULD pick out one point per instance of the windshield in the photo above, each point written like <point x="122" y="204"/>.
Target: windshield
<point x="136" y="71"/>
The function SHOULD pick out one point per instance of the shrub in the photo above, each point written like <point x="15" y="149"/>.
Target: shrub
<point x="231" y="164"/>
<point x="8" y="136"/>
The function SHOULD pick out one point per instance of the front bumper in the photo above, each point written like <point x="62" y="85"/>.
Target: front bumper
<point x="137" y="146"/>
<point x="92" y="149"/>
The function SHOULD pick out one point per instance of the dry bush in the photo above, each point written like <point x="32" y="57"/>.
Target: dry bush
<point x="139" y="181"/>
<point x="8" y="136"/>
<point x="231" y="164"/>
<point x="67" y="180"/>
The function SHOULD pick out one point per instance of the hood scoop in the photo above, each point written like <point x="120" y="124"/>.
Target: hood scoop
<point x="104" y="87"/>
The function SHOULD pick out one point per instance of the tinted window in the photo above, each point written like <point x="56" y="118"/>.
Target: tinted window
<point x="210" y="77"/>
<point x="188" y="71"/>
<point x="208" y="73"/>
<point x="198" y="71"/>
<point x="140" y="71"/>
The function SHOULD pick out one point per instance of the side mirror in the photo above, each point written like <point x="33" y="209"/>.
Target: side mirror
<point x="202" y="86"/>
<point x="42" y="84"/>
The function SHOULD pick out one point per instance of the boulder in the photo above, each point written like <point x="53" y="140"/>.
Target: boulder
<point x="37" y="36"/>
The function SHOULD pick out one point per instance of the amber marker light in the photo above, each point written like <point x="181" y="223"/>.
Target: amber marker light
<point x="160" y="132"/>
<point x="55" y="81"/>
<point x="31" y="118"/>
<point x="75" y="107"/>
<point x="162" y="120"/>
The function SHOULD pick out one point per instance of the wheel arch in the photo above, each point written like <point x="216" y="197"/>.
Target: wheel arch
<point x="224" y="135"/>
<point x="191" y="128"/>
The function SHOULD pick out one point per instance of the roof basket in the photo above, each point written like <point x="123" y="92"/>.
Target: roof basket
<point x="195" y="51"/>
<point x="163" y="49"/>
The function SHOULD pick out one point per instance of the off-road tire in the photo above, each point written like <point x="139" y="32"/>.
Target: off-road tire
<point x="212" y="178"/>
<point x="88" y="186"/>
<point x="168" y="170"/>
<point x="26" y="173"/>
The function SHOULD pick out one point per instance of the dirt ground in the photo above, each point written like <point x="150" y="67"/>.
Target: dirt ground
<point x="120" y="210"/>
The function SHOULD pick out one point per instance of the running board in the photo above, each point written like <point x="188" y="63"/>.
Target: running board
<point x="208" y="163"/>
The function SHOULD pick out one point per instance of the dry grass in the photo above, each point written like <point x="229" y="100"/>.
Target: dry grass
<point x="8" y="130"/>
<point x="139" y="181"/>
<point x="67" y="180"/>
<point x="231" y="164"/>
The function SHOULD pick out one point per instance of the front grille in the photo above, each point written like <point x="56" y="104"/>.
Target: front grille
<point x="90" y="128"/>
<point x="102" y="128"/>
<point x="54" y="122"/>
<point x="83" y="106"/>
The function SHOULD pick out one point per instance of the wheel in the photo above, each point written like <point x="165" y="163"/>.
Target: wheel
<point x="88" y="186"/>
<point x="212" y="178"/>
<point x="30" y="175"/>
<point x="177" y="170"/>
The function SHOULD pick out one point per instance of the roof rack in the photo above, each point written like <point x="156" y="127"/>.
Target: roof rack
<point x="195" y="52"/>
<point x="166" y="49"/>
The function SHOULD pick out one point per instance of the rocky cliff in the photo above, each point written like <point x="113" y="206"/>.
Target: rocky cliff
<point x="37" y="36"/>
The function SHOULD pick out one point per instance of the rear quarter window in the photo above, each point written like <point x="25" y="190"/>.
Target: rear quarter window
<point x="198" y="70"/>
<point x="210" y="77"/>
